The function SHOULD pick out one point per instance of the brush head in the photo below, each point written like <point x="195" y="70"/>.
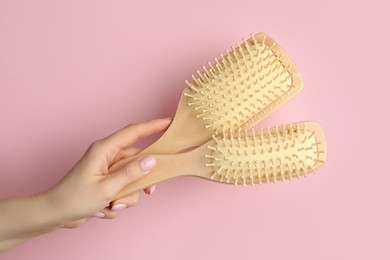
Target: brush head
<point x="266" y="155"/>
<point x="243" y="86"/>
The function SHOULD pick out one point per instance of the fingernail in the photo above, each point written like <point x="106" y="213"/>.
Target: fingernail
<point x="118" y="207"/>
<point x="152" y="189"/>
<point x="147" y="163"/>
<point x="99" y="215"/>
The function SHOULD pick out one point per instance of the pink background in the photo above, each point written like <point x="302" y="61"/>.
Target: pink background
<point x="75" y="71"/>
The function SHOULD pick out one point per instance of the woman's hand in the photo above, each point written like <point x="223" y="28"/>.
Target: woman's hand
<point x="86" y="191"/>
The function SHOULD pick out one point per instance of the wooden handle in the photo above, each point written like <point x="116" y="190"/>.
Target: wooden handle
<point x="185" y="131"/>
<point x="167" y="167"/>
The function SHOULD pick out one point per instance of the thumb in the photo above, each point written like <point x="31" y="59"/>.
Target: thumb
<point x="132" y="171"/>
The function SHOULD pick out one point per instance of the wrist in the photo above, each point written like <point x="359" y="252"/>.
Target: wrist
<point x="49" y="215"/>
<point x="26" y="217"/>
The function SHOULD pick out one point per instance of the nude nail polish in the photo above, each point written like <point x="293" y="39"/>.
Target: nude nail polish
<point x="99" y="215"/>
<point x="118" y="207"/>
<point x="147" y="163"/>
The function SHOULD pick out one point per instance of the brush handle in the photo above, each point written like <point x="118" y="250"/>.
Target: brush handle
<point x="186" y="131"/>
<point x="167" y="167"/>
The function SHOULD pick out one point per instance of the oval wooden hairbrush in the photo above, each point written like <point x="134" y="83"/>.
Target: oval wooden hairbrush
<point x="238" y="90"/>
<point x="245" y="157"/>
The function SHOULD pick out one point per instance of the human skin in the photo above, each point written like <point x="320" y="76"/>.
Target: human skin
<point x="86" y="191"/>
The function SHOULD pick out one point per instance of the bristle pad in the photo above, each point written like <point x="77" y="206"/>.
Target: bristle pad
<point x="267" y="155"/>
<point x="241" y="87"/>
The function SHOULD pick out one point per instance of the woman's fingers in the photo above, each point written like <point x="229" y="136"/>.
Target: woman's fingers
<point x="112" y="146"/>
<point x="129" y="173"/>
<point x="124" y="153"/>
<point x="130" y="152"/>
<point x="132" y="133"/>
<point x="126" y="202"/>
<point x="117" y="206"/>
<point x="115" y="148"/>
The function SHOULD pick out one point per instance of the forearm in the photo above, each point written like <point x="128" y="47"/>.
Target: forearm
<point x="25" y="218"/>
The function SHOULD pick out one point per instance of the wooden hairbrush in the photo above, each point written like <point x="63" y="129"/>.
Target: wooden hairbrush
<point x="238" y="90"/>
<point x="245" y="157"/>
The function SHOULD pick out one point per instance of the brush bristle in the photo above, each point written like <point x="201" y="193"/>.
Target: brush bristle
<point x="243" y="86"/>
<point x="267" y="155"/>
